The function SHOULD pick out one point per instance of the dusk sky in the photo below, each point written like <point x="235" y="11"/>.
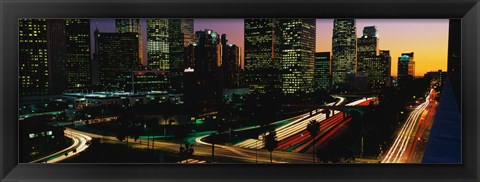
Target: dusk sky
<point x="428" y="39"/>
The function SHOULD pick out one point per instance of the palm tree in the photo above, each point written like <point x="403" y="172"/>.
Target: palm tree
<point x="181" y="133"/>
<point x="271" y="142"/>
<point x="314" y="129"/>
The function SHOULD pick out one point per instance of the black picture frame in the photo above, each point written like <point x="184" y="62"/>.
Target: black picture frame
<point x="11" y="10"/>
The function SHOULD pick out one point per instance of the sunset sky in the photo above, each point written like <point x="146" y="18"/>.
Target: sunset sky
<point x="428" y="39"/>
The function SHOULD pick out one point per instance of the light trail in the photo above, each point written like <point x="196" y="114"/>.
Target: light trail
<point x="79" y="144"/>
<point x="404" y="138"/>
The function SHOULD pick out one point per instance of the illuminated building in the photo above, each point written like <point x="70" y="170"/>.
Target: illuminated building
<point x="262" y="55"/>
<point x="297" y="55"/>
<point x="78" y="63"/>
<point x="116" y="53"/>
<point x="157" y="44"/>
<point x="386" y="59"/>
<point x="145" y="81"/>
<point x="181" y="35"/>
<point x="42" y="48"/>
<point x="406" y="69"/>
<point x="367" y="47"/>
<point x="344" y="54"/>
<point x="322" y="75"/>
<point x="132" y="25"/>
<point x="231" y="64"/>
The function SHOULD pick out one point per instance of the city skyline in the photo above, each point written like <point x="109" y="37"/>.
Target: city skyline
<point x="397" y="35"/>
<point x="191" y="102"/>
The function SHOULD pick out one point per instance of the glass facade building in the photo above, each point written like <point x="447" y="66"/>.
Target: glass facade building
<point x="157" y="44"/>
<point x="297" y="55"/>
<point x="181" y="35"/>
<point x="41" y="56"/>
<point x="262" y="55"/>
<point x="132" y="25"/>
<point x="344" y="50"/>
<point x="79" y="62"/>
<point x="322" y="74"/>
<point x="406" y="69"/>
<point x="117" y="53"/>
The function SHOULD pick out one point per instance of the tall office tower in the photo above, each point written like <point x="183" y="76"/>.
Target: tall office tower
<point x="322" y="74"/>
<point x="231" y="64"/>
<point x="41" y="56"/>
<point x="157" y="44"/>
<point x="208" y="56"/>
<point x="181" y="35"/>
<point x="117" y="53"/>
<point x="78" y="63"/>
<point x="132" y="25"/>
<point x="386" y="59"/>
<point x="56" y="42"/>
<point x="344" y="50"/>
<point x="369" y="60"/>
<point x="262" y="55"/>
<point x="297" y="55"/>
<point x="406" y="69"/>
<point x="367" y="47"/>
<point x="202" y="91"/>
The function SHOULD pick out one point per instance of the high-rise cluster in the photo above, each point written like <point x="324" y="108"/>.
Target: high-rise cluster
<point x="279" y="55"/>
<point x="54" y="55"/>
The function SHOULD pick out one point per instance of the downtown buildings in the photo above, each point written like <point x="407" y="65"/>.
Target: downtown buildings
<point x="322" y="74"/>
<point x="54" y="55"/>
<point x="279" y="55"/>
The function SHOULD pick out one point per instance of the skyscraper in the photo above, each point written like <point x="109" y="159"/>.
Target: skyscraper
<point x="132" y="25"/>
<point x="117" y="53"/>
<point x="41" y="56"/>
<point x="344" y="55"/>
<point x="322" y="74"/>
<point x="78" y="63"/>
<point x="367" y="47"/>
<point x="157" y="44"/>
<point x="386" y="59"/>
<point x="406" y="69"/>
<point x="56" y="45"/>
<point x="208" y="56"/>
<point x="181" y="35"/>
<point x="370" y="62"/>
<point x="231" y="64"/>
<point x="262" y="55"/>
<point x="297" y="55"/>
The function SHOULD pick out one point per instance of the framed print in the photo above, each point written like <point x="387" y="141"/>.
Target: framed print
<point x="239" y="90"/>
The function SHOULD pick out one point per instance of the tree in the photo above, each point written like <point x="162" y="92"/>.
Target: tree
<point x="314" y="129"/>
<point x="180" y="134"/>
<point x="187" y="150"/>
<point x="151" y="123"/>
<point x="270" y="141"/>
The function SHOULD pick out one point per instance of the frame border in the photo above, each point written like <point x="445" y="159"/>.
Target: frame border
<point x="11" y="10"/>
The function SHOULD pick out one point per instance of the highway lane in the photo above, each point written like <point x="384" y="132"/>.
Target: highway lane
<point x="293" y="127"/>
<point x="204" y="150"/>
<point x="408" y="135"/>
<point x="79" y="144"/>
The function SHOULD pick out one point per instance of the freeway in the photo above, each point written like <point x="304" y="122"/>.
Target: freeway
<point x="293" y="127"/>
<point x="204" y="150"/>
<point x="301" y="142"/>
<point x="410" y="141"/>
<point x="80" y="143"/>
